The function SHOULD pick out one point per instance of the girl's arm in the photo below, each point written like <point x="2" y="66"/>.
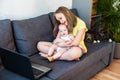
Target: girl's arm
<point x="56" y="39"/>
<point x="76" y="40"/>
<point x="71" y="37"/>
<point x="78" y="37"/>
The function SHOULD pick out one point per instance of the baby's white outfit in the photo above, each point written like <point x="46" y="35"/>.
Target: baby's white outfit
<point x="66" y="38"/>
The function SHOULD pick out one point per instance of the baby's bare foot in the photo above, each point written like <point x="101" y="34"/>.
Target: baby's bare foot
<point x="50" y="58"/>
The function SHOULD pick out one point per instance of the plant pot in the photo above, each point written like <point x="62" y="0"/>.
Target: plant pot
<point x="117" y="50"/>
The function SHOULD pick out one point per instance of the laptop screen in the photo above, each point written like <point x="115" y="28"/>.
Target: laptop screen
<point x="20" y="64"/>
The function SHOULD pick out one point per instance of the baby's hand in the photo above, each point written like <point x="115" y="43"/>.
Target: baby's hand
<point x="68" y="42"/>
<point x="56" y="41"/>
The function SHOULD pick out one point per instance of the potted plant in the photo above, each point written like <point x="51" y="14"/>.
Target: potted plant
<point x="110" y="10"/>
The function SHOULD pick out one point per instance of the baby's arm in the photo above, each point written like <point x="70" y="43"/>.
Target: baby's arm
<point x="52" y="50"/>
<point x="71" y="38"/>
<point x="58" y="40"/>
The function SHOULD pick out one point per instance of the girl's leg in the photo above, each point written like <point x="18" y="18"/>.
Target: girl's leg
<point x="43" y="47"/>
<point x="73" y="54"/>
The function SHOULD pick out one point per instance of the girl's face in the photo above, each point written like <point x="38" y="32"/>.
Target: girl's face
<point x="63" y="30"/>
<point x="60" y="17"/>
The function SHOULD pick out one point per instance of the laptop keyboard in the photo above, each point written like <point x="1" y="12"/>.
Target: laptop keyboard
<point x="37" y="72"/>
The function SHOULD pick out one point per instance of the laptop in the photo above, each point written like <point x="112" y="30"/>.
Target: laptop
<point x="22" y="65"/>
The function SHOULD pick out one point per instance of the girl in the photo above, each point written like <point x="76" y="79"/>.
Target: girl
<point x="77" y="27"/>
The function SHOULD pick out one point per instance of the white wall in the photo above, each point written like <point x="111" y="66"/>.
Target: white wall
<point x="23" y="9"/>
<point x="84" y="10"/>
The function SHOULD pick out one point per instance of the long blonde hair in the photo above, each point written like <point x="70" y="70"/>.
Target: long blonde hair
<point x="70" y="17"/>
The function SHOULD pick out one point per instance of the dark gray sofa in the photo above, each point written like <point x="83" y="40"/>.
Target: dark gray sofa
<point x="22" y="36"/>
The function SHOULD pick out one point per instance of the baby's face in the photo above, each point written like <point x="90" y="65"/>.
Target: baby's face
<point x="63" y="30"/>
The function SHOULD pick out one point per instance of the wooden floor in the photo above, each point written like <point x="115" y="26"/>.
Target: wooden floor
<point x="112" y="72"/>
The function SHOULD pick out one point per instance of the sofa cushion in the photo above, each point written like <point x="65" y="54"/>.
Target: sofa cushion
<point x="75" y="11"/>
<point x="6" y="35"/>
<point x="8" y="75"/>
<point x="96" y="52"/>
<point x="28" y="32"/>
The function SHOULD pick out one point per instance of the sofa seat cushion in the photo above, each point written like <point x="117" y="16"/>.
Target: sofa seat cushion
<point x="57" y="66"/>
<point x="6" y="35"/>
<point x="30" y="31"/>
<point x="66" y="69"/>
<point x="96" y="48"/>
<point x="8" y="75"/>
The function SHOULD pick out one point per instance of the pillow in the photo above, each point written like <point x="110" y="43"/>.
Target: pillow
<point x="30" y="31"/>
<point x="6" y="35"/>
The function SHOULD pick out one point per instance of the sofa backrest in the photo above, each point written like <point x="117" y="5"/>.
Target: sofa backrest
<point x="75" y="12"/>
<point x="23" y="35"/>
<point x="30" y="31"/>
<point x="6" y="35"/>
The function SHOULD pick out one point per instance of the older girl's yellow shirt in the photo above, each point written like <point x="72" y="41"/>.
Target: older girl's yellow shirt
<point x="80" y="25"/>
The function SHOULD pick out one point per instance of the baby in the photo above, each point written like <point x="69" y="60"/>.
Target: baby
<point x="55" y="51"/>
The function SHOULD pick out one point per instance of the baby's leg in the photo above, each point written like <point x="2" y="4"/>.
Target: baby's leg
<point x="59" y="53"/>
<point x="56" y="55"/>
<point x="51" y="50"/>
